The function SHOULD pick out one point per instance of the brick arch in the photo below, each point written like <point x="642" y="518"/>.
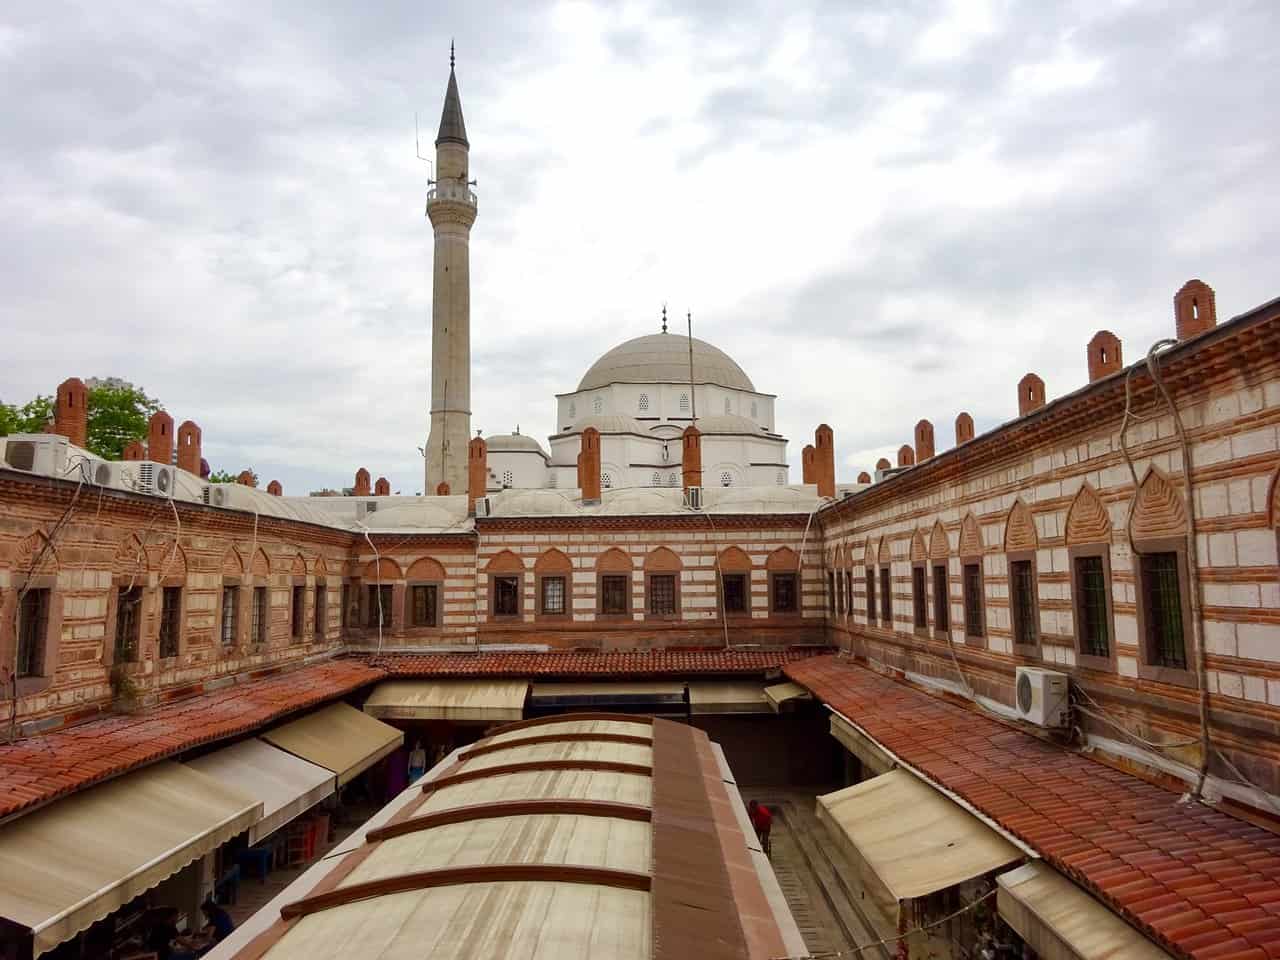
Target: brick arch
<point x="869" y="558"/>
<point x="1020" y="528"/>
<point x="663" y="560"/>
<point x="784" y="558"/>
<point x="1087" y="519"/>
<point x="322" y="568"/>
<point x="504" y="562"/>
<point x="846" y="556"/>
<point x="169" y="559"/>
<point x="28" y="550"/>
<point x="261" y="563"/>
<point x="939" y="545"/>
<point x="232" y="563"/>
<point x="553" y="561"/>
<point x="425" y="568"/>
<point x="1159" y="510"/>
<point x="734" y="559"/>
<point x="384" y="569"/>
<point x="131" y="559"/>
<point x="299" y="565"/>
<point x="970" y="537"/>
<point x="919" y="552"/>
<point x="886" y="554"/>
<point x="614" y="559"/>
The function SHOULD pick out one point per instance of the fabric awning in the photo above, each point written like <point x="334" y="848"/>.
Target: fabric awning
<point x="727" y="697"/>
<point x="600" y="694"/>
<point x="486" y="700"/>
<point x="914" y="839"/>
<point x="339" y="738"/>
<point x="864" y="748"/>
<point x="287" y="786"/>
<point x="71" y="863"/>
<point x="1062" y="922"/>
<point x="780" y="693"/>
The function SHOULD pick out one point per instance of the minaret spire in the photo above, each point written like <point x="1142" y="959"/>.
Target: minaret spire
<point x="452" y="129"/>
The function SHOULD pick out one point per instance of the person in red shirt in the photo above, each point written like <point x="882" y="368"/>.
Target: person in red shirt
<point x="762" y="820"/>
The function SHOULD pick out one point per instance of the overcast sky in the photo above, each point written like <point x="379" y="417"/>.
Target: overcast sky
<point x="882" y="211"/>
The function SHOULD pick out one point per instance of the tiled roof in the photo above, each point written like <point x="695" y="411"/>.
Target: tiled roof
<point x="36" y="770"/>
<point x="631" y="663"/>
<point x="1195" y="879"/>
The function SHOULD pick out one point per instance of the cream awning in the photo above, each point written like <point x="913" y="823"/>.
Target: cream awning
<point x="633" y="691"/>
<point x="71" y="863"/>
<point x="1062" y="922"/>
<point x="864" y="748"/>
<point x="780" y="693"/>
<point x="727" y="697"/>
<point x="339" y="738"/>
<point x="914" y="839"/>
<point x="287" y="786"/>
<point x="486" y="700"/>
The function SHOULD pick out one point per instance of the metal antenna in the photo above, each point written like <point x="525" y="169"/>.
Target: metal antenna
<point x="417" y="149"/>
<point x="451" y="54"/>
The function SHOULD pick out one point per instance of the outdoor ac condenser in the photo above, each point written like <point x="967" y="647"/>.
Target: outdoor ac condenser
<point x="1042" y="697"/>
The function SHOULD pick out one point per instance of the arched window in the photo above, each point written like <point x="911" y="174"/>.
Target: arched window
<point x="644" y="402"/>
<point x="684" y="403"/>
<point x="657" y="479"/>
<point x="606" y="481"/>
<point x="507" y="478"/>
<point x="597" y="405"/>
<point x="726" y="479"/>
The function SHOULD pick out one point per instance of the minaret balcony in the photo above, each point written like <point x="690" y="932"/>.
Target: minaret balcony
<point x="448" y="191"/>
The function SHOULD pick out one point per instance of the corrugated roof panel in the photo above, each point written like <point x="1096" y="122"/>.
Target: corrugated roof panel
<point x="574" y="726"/>
<point x="564" y="750"/>
<point x="576" y="784"/>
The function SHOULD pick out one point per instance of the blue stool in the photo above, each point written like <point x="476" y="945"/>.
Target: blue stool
<point x="256" y="861"/>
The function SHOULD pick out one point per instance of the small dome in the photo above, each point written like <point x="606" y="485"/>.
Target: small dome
<point x="729" y="423"/>
<point x="513" y="442"/>
<point x="608" y="423"/>
<point x="664" y="358"/>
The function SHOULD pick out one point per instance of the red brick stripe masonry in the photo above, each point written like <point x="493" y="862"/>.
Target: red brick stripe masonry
<point x="1195" y="879"/>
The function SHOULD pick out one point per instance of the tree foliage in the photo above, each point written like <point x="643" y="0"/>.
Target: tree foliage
<point x="31" y="417"/>
<point x="226" y="476"/>
<point x="118" y="414"/>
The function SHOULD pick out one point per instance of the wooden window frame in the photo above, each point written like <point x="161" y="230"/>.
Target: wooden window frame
<point x="675" y="613"/>
<point x="920" y="598"/>
<point x="120" y="586"/>
<point x="320" y="609"/>
<point x="48" y="644"/>
<point x="974" y="639"/>
<point x="886" y="597"/>
<point x="873" y="609"/>
<point x="1147" y="668"/>
<point x="410" y="605"/>
<point x="625" y="612"/>
<point x="566" y="580"/>
<point x="1084" y="659"/>
<point x="297" y="610"/>
<point x="745" y="612"/>
<point x="1031" y="649"/>
<point x="162" y="620"/>
<point x="371" y="591"/>
<point x="941" y="598"/>
<point x="494" y="579"/>
<point x="261" y="636"/>
<point x="230" y="583"/>
<point x="794" y="576"/>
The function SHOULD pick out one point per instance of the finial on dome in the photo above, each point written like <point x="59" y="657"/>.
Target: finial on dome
<point x="664" y="318"/>
<point x="451" y="54"/>
<point x="517" y="429"/>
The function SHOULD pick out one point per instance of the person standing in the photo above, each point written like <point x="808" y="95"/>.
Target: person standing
<point x="762" y="821"/>
<point x="417" y="761"/>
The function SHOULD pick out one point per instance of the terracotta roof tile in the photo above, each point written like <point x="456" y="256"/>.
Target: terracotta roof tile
<point x="1197" y="880"/>
<point x="629" y="663"/>
<point x="40" y="769"/>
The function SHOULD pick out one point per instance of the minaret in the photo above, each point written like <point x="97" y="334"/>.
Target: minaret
<point x="451" y="205"/>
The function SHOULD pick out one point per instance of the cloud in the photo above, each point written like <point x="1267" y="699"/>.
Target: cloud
<point x="883" y="212"/>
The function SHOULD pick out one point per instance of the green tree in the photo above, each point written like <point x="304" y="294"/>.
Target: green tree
<point x="226" y="476"/>
<point x="31" y="417"/>
<point x="118" y="414"/>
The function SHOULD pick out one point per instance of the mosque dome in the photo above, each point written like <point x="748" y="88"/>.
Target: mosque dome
<point x="664" y="358"/>
<point x="513" y="443"/>
<point x="729" y="424"/>
<point x="607" y="424"/>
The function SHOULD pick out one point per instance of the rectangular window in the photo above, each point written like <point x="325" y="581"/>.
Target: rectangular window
<point x="506" y="596"/>
<point x="613" y="594"/>
<point x="973" y="600"/>
<point x="229" y="616"/>
<point x="1162" y="599"/>
<point x="1091" y="607"/>
<point x="344" y="616"/>
<point x="840" y="598"/>
<point x="871" y="595"/>
<point x="662" y="594"/>
<point x="379" y="613"/>
<point x="734" y="588"/>
<point x="918" y="602"/>
<point x="553" y="596"/>
<point x="1022" y="591"/>
<point x="848" y="592"/>
<point x="170" y="621"/>
<point x="886" y="598"/>
<point x="128" y="620"/>
<point x="424" y="604"/>
<point x="34" y="617"/>
<point x="941" y="599"/>
<point x="785" y="595"/>
<point x="296" y="610"/>
<point x="831" y="593"/>
<point x="258" y="623"/>
<point x="320" y="617"/>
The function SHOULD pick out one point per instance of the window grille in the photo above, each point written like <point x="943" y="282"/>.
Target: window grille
<point x="840" y="598"/>
<point x="320" y="616"/>
<point x="553" y="595"/>
<point x="918" y="598"/>
<point x="379" y="605"/>
<point x="229" y="616"/>
<point x="258" y="622"/>
<point x="784" y="593"/>
<point x="1091" y="602"/>
<point x="886" y="598"/>
<point x="972" y="600"/>
<point x="726" y="479"/>
<point x="506" y="596"/>
<point x="613" y="594"/>
<point x="941" y="599"/>
<point x="507" y="478"/>
<point x="424" y="605"/>
<point x="128" y="610"/>
<point x="734" y="589"/>
<point x="871" y="595"/>
<point x="684" y="403"/>
<point x="662" y="594"/>
<point x="606" y="481"/>
<point x="1023" y="589"/>
<point x="34" y="617"/>
<point x="1162" y="599"/>
<point x="299" y="601"/>
<point x="170" y="621"/>
<point x="644" y="403"/>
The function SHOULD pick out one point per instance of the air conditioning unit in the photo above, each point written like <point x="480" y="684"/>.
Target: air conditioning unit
<point x="233" y="496"/>
<point x="484" y="507"/>
<point x="42" y="453"/>
<point x="157" y="479"/>
<point x="1042" y="697"/>
<point x="694" y="498"/>
<point x="365" y="507"/>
